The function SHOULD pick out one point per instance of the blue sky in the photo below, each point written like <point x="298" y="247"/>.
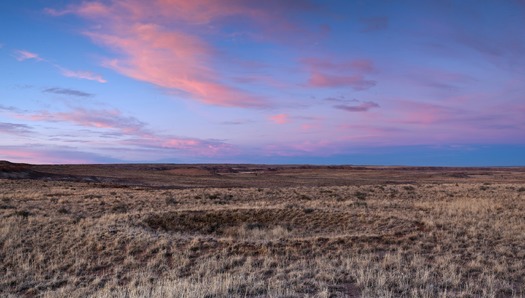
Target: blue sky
<point x="321" y="82"/>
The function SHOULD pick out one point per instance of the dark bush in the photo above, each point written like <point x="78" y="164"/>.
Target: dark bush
<point x="360" y="195"/>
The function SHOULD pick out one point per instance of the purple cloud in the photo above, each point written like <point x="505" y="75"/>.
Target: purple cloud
<point x="110" y="119"/>
<point x="362" y="107"/>
<point x="14" y="129"/>
<point x="356" y="82"/>
<point x="67" y="91"/>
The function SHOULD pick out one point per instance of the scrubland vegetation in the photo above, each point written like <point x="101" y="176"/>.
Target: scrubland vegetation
<point x="418" y="239"/>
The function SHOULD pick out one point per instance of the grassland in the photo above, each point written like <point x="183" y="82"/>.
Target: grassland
<point x="261" y="231"/>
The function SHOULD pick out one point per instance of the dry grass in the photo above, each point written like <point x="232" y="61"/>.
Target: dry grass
<point x="78" y="239"/>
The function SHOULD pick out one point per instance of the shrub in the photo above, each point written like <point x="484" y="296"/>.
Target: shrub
<point x="63" y="211"/>
<point x="308" y="210"/>
<point x="213" y="196"/>
<point x="171" y="201"/>
<point x="23" y="213"/>
<point x="360" y="195"/>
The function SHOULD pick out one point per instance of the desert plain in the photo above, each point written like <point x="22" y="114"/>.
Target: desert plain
<point x="164" y="230"/>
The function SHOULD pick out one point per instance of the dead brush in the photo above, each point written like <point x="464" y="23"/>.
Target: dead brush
<point x="419" y="242"/>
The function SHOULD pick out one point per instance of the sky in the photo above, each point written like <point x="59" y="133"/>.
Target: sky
<point x="438" y="83"/>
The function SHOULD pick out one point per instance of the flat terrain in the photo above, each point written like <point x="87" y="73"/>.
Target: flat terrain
<point x="261" y="231"/>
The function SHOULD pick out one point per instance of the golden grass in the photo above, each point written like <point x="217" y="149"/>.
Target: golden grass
<point x="78" y="239"/>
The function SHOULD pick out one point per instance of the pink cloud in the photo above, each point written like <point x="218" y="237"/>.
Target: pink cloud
<point x="36" y="154"/>
<point x="308" y="127"/>
<point x="172" y="60"/>
<point x="280" y="118"/>
<point x="130" y="131"/>
<point x="361" y="66"/>
<point x="304" y="148"/>
<point x="357" y="82"/>
<point x="326" y="73"/>
<point x="180" y="145"/>
<point x="431" y="123"/>
<point x="79" y="74"/>
<point x="420" y="113"/>
<point x="155" y="43"/>
<point x="27" y="155"/>
<point x="20" y="155"/>
<point x="163" y="41"/>
<point x="22" y="55"/>
<point x="87" y="9"/>
<point x="111" y="119"/>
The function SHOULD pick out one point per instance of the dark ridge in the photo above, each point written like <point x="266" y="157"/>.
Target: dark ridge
<point x="10" y="170"/>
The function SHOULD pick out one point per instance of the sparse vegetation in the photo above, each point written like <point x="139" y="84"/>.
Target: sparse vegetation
<point x="360" y="195"/>
<point x="409" y="188"/>
<point x="395" y="241"/>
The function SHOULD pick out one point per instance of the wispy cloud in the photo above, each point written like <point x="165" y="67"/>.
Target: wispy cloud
<point x="14" y="128"/>
<point x="326" y="73"/>
<point x="179" y="146"/>
<point x="440" y="79"/>
<point x="235" y="122"/>
<point x="80" y="74"/>
<point x="155" y="48"/>
<point x="130" y="132"/>
<point x="86" y="9"/>
<point x="280" y="118"/>
<point x="9" y="109"/>
<point x="361" y="107"/>
<point x="164" y="42"/>
<point x="356" y="82"/>
<point x="360" y="66"/>
<point x="67" y="91"/>
<point x="22" y="55"/>
<point x="112" y="119"/>
<point x="172" y="60"/>
<point x="40" y="154"/>
<point x="340" y="99"/>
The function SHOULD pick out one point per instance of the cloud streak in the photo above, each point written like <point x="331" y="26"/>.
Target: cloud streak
<point x="80" y="74"/>
<point x="22" y="55"/>
<point x="356" y="82"/>
<point x="67" y="91"/>
<point x="10" y="109"/>
<point x="161" y="49"/>
<point x="127" y="131"/>
<point x="280" y="118"/>
<point x="112" y="119"/>
<point x="329" y="74"/>
<point x="362" y="107"/>
<point x="40" y="154"/>
<point x="14" y="129"/>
